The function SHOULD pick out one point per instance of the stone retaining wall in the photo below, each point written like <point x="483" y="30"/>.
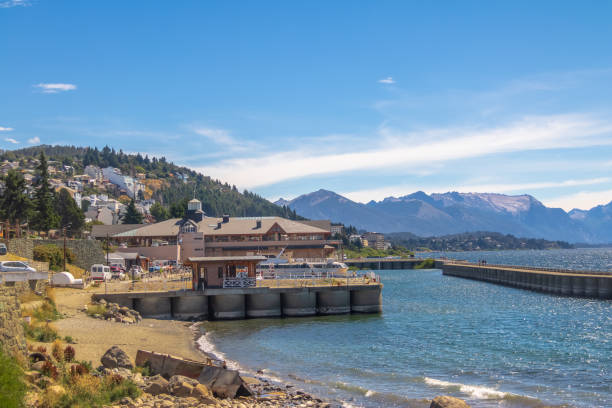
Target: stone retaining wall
<point x="86" y="251"/>
<point x="12" y="336"/>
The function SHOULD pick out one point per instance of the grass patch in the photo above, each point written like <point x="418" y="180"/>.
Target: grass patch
<point x="88" y="391"/>
<point x="43" y="333"/>
<point x="12" y="386"/>
<point x="95" y="309"/>
<point x="426" y="264"/>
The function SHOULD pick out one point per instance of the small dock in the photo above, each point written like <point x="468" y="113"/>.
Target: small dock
<point x="591" y="284"/>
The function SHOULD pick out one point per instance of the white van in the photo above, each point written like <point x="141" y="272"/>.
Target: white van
<point x="100" y="272"/>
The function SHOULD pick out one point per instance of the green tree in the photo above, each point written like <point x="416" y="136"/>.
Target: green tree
<point x="15" y="205"/>
<point x="69" y="213"/>
<point x="45" y="217"/>
<point x="131" y="216"/>
<point x="159" y="212"/>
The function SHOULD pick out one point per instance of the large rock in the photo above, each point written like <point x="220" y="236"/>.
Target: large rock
<point x="116" y="358"/>
<point x="157" y="385"/>
<point x="446" y="401"/>
<point x="224" y="383"/>
<point x="181" y="386"/>
<point x="202" y="393"/>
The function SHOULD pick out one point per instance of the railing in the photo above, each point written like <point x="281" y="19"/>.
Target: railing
<point x="523" y="267"/>
<point x="239" y="282"/>
<point x="22" y="276"/>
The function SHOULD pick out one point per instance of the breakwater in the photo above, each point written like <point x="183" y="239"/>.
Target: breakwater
<point x="242" y="303"/>
<point x="383" y="263"/>
<point x="593" y="284"/>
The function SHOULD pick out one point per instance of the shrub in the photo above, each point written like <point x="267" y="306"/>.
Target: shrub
<point x="50" y="370"/>
<point x="54" y="255"/>
<point x="47" y="311"/>
<point x="96" y="309"/>
<point x="78" y="370"/>
<point x="69" y="339"/>
<point x="42" y="349"/>
<point x="426" y="264"/>
<point x="43" y="333"/>
<point x="69" y="353"/>
<point x="90" y="391"/>
<point x="12" y="386"/>
<point x="57" y="351"/>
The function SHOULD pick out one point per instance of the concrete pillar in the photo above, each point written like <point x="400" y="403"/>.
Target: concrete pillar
<point x="590" y="287"/>
<point x="226" y="307"/>
<point x="335" y="300"/>
<point x="153" y="306"/>
<point x="548" y="283"/>
<point x="558" y="284"/>
<point x="299" y="303"/>
<point x="566" y="285"/>
<point x="578" y="285"/>
<point x="366" y="300"/>
<point x="185" y="307"/>
<point x="263" y="305"/>
<point x="604" y="288"/>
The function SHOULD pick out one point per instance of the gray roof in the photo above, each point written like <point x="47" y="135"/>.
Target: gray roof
<point x="101" y="231"/>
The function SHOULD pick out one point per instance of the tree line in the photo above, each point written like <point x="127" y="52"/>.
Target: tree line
<point x="45" y="209"/>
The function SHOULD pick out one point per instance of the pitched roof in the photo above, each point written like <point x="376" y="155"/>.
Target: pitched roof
<point x="100" y="231"/>
<point x="216" y="226"/>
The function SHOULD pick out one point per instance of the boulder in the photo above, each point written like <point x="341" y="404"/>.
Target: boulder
<point x="157" y="385"/>
<point x="202" y="392"/>
<point x="446" y="401"/>
<point x="116" y="358"/>
<point x="38" y="366"/>
<point x="34" y="357"/>
<point x="224" y="383"/>
<point x="181" y="386"/>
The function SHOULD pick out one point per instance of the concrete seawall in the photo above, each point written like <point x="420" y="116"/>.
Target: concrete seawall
<point x="567" y="283"/>
<point x="228" y="304"/>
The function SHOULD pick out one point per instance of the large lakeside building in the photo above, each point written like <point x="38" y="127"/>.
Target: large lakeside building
<point x="197" y="235"/>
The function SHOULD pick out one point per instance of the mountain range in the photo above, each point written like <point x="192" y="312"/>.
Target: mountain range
<point x="451" y="213"/>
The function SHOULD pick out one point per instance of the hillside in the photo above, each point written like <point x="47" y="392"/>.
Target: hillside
<point x="470" y="241"/>
<point x="453" y="213"/>
<point x="171" y="184"/>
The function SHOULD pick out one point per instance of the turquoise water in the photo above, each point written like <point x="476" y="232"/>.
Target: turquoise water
<point x="491" y="345"/>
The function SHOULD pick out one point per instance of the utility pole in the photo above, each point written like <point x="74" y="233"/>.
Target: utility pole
<point x="64" y="231"/>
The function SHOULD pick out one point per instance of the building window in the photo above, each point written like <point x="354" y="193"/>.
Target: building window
<point x="220" y="272"/>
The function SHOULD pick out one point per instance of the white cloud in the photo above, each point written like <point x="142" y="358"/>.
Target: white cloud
<point x="55" y="88"/>
<point x="520" y="188"/>
<point x="411" y="150"/>
<point x="387" y="80"/>
<point x="219" y="136"/>
<point x="5" y="129"/>
<point x="34" y="140"/>
<point x="584" y="200"/>
<point x="14" y="3"/>
<point x="11" y="140"/>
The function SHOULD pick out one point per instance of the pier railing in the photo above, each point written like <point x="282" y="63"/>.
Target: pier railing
<point x="526" y="267"/>
<point x="239" y="282"/>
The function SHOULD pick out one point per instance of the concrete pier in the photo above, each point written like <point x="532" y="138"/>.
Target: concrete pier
<point x="336" y="301"/>
<point x="366" y="301"/>
<point x="241" y="303"/>
<point x="563" y="282"/>
<point x="264" y="305"/>
<point x="299" y="302"/>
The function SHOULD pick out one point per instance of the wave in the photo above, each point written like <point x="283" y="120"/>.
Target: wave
<point x="484" y="393"/>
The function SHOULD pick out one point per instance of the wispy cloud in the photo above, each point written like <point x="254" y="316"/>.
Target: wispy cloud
<point x="5" y="129"/>
<point x="55" y="88"/>
<point x="387" y="80"/>
<point x="34" y="140"/>
<point x="219" y="136"/>
<point x="410" y="150"/>
<point x="11" y="140"/>
<point x="14" y="3"/>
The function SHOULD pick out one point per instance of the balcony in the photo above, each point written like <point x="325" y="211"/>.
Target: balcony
<point x="283" y="243"/>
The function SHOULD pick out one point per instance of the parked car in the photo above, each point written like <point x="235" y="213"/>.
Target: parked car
<point x="15" y="266"/>
<point x="117" y="272"/>
<point x="3" y="249"/>
<point x="135" y="272"/>
<point x="99" y="272"/>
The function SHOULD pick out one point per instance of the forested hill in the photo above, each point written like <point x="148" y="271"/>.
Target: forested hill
<point x="171" y="185"/>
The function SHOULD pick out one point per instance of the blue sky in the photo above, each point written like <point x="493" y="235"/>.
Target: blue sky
<point x="369" y="99"/>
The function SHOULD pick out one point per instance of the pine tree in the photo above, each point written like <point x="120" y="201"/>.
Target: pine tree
<point x="131" y="216"/>
<point x="69" y="212"/>
<point x="15" y="205"/>
<point x="159" y="212"/>
<point x="45" y="217"/>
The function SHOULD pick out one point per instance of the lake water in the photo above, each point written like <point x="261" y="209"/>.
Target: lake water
<point x="491" y="345"/>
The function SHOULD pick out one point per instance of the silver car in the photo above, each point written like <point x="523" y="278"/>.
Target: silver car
<point x="15" y="266"/>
